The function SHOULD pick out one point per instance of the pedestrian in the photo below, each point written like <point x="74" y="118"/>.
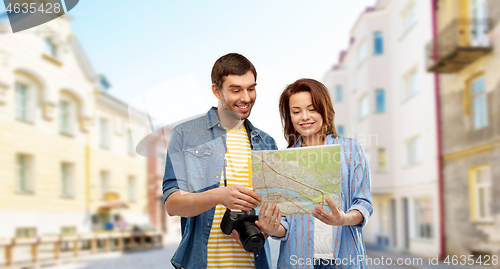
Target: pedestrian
<point x="193" y="185"/>
<point x="322" y="239"/>
<point x="122" y="223"/>
<point x="109" y="225"/>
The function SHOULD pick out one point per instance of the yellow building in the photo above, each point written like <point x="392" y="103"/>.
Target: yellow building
<point x="67" y="160"/>
<point x="465" y="55"/>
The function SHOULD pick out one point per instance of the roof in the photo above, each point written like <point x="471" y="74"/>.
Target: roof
<point x="82" y="58"/>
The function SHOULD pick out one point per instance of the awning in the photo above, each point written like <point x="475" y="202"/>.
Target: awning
<point x="113" y="205"/>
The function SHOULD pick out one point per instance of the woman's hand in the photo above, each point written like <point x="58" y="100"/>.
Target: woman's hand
<point x="336" y="218"/>
<point x="271" y="223"/>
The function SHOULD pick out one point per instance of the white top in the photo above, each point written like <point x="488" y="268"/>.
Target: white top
<point x="323" y="238"/>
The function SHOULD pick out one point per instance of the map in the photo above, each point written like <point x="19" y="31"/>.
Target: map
<point x="297" y="179"/>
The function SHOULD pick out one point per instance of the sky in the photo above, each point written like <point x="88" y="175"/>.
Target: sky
<point x="168" y="48"/>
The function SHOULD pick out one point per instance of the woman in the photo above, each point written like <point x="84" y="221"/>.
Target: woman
<point x="321" y="240"/>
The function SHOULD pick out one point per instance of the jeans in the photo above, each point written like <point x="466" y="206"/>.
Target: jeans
<point x="324" y="264"/>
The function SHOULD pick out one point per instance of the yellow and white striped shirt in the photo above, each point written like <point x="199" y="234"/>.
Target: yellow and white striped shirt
<point x="223" y="251"/>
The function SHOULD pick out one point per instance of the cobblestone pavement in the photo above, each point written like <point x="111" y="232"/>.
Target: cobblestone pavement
<point x="154" y="258"/>
<point x="410" y="261"/>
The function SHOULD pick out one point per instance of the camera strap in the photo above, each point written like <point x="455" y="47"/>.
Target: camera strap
<point x="224" y="171"/>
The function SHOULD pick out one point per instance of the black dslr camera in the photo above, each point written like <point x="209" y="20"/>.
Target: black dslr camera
<point x="244" y="223"/>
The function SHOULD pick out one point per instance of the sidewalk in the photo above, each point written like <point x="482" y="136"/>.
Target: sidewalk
<point x="395" y="257"/>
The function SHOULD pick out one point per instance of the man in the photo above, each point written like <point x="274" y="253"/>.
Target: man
<point x="203" y="156"/>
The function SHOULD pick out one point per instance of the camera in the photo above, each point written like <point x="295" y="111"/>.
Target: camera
<point x="244" y="223"/>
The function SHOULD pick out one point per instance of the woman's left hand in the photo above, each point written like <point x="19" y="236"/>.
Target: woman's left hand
<point x="336" y="218"/>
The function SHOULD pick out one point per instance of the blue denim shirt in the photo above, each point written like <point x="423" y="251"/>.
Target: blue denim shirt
<point x="195" y="158"/>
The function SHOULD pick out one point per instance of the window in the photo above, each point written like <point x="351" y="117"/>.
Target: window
<point x="423" y="211"/>
<point x="413" y="151"/>
<point x="479" y="16"/>
<point x="104" y="177"/>
<point x="25" y="232"/>
<point x="479" y="103"/>
<point x="378" y="43"/>
<point x="50" y="47"/>
<point x="67" y="182"/>
<point x="67" y="112"/>
<point x="480" y="193"/>
<point x="380" y="101"/>
<point x="104" y="133"/>
<point x="409" y="17"/>
<point x="363" y="107"/>
<point x="384" y="218"/>
<point x="130" y="143"/>
<point x="132" y="189"/>
<point x="362" y="52"/>
<point x="339" y="95"/>
<point x="23" y="96"/>
<point x="24" y="173"/>
<point x="411" y="84"/>
<point x="65" y="117"/>
<point x="381" y="160"/>
<point x="340" y="130"/>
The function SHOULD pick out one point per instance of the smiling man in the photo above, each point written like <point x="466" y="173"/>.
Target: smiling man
<point x="208" y="170"/>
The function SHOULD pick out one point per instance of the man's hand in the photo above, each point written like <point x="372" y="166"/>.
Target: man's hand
<point x="270" y="224"/>
<point x="236" y="236"/>
<point x="238" y="197"/>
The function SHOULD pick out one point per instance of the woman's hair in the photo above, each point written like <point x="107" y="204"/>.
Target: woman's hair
<point x="320" y="100"/>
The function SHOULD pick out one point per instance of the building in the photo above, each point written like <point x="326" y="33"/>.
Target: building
<point x="384" y="97"/>
<point x="118" y="179"/>
<point x="67" y="161"/>
<point x="464" y="54"/>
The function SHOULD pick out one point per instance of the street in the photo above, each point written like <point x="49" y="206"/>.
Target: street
<point x="160" y="258"/>
<point x="155" y="258"/>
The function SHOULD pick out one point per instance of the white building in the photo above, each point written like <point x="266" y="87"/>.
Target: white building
<point x="384" y="97"/>
<point x="66" y="159"/>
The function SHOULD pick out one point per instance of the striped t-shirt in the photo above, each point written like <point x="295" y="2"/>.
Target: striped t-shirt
<point x="223" y="251"/>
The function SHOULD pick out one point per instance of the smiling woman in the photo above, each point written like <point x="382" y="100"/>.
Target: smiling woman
<point x="306" y="119"/>
<point x="323" y="237"/>
<point x="306" y="110"/>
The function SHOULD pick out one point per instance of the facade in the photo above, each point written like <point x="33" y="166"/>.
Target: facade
<point x="157" y="149"/>
<point x="66" y="159"/>
<point x="118" y="180"/>
<point x="465" y="56"/>
<point x="384" y="97"/>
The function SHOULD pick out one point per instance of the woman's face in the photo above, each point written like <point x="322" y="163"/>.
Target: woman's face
<point x="305" y="119"/>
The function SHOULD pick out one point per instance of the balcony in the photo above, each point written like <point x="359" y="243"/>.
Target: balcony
<point x="459" y="44"/>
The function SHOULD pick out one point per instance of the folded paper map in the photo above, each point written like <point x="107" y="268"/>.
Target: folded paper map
<point x="298" y="179"/>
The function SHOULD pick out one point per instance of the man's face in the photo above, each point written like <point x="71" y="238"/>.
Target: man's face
<point x="237" y="94"/>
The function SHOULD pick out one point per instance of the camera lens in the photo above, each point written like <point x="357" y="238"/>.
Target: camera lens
<point x="250" y="236"/>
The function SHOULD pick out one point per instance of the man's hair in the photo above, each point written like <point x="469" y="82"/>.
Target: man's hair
<point x="231" y="64"/>
<point x="320" y="100"/>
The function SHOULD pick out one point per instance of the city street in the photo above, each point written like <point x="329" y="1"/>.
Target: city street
<point x="160" y="258"/>
<point x="155" y="258"/>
